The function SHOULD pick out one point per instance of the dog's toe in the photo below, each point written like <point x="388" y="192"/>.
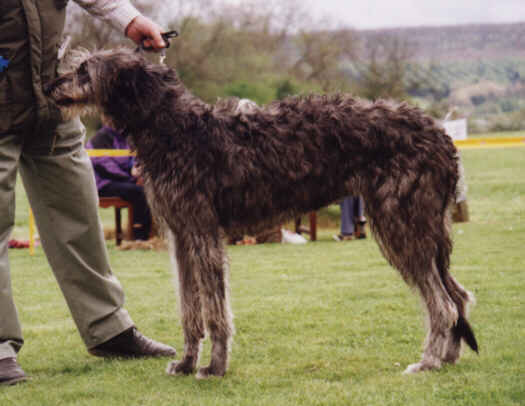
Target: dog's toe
<point x="179" y="368"/>
<point x="171" y="369"/>
<point x="421" y="366"/>
<point x="208" y="372"/>
<point x="412" y="369"/>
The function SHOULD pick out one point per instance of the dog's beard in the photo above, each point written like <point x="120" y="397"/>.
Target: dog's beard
<point x="78" y="110"/>
<point x="74" y="101"/>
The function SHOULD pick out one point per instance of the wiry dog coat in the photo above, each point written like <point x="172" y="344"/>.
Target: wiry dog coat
<point x="212" y="170"/>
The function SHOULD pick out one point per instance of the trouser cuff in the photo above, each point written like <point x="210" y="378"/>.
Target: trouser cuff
<point x="9" y="349"/>
<point x="107" y="328"/>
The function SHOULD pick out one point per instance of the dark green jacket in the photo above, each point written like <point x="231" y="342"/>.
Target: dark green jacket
<point x="30" y="34"/>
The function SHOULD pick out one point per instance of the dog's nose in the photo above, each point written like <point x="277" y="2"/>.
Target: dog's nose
<point x="47" y="88"/>
<point x="53" y="84"/>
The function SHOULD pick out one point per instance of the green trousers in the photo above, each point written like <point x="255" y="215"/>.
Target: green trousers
<point x="58" y="178"/>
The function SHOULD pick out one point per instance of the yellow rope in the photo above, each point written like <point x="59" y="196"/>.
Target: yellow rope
<point x="491" y="142"/>
<point x="109" y="152"/>
<point x="31" y="232"/>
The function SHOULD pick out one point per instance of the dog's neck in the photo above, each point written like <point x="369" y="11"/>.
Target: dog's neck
<point x="189" y="119"/>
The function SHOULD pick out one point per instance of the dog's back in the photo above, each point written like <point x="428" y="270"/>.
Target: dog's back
<point x="303" y="153"/>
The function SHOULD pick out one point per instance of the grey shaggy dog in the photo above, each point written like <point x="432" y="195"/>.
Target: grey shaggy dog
<point x="217" y="170"/>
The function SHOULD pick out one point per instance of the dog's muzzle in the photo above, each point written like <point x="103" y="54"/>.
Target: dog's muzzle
<point x="49" y="87"/>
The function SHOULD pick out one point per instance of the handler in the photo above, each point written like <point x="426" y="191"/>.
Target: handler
<point x="57" y="175"/>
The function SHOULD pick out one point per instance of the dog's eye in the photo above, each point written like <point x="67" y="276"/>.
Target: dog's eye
<point x="82" y="73"/>
<point x="82" y="69"/>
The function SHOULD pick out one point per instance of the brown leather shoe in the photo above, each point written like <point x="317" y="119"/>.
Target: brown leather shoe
<point x="10" y="372"/>
<point x="132" y="344"/>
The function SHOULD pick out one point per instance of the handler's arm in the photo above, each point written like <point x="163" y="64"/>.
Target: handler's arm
<point x="126" y="19"/>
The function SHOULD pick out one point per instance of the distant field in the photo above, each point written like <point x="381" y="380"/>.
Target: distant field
<point x="325" y="323"/>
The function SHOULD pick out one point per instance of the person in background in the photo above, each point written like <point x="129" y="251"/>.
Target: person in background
<point x="48" y="153"/>
<point x="119" y="176"/>
<point x="352" y="219"/>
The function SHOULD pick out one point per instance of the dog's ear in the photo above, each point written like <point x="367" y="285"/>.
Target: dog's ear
<point x="135" y="92"/>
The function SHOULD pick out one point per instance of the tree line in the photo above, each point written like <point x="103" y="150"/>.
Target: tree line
<point x="266" y="50"/>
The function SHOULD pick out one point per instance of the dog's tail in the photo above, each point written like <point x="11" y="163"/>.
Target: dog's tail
<point x="463" y="330"/>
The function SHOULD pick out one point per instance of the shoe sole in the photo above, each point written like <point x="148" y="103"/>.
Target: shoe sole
<point x="14" y="381"/>
<point x="112" y="355"/>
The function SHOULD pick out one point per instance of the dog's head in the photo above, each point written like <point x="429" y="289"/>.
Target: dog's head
<point x="73" y="92"/>
<point x="120" y="84"/>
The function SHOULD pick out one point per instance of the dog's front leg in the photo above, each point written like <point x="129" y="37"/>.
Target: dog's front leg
<point x="191" y="309"/>
<point x="212" y="274"/>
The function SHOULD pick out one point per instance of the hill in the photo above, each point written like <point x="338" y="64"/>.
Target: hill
<point x="461" y="42"/>
<point x="481" y="67"/>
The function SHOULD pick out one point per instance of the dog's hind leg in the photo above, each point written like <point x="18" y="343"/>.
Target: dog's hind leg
<point x="446" y="302"/>
<point x="462" y="329"/>
<point x="459" y="296"/>
<point x="191" y="309"/>
<point x="408" y="220"/>
<point x="442" y="314"/>
<point x="442" y="317"/>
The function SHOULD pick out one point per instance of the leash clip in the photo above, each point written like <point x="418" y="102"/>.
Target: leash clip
<point x="166" y="36"/>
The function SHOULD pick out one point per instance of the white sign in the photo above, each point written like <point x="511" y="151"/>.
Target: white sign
<point x="456" y="129"/>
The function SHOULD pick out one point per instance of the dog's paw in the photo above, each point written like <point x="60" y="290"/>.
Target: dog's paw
<point x="208" y="372"/>
<point x="179" y="368"/>
<point x="421" y="366"/>
<point x="453" y="353"/>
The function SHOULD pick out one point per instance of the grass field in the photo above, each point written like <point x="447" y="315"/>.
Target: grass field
<point x="321" y="324"/>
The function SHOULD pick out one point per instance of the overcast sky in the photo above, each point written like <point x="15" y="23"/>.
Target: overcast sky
<point x="364" y="14"/>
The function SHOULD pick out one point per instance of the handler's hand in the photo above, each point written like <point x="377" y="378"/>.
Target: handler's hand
<point x="144" y="31"/>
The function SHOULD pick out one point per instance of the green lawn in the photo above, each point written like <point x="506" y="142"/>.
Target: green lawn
<point x="321" y="324"/>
